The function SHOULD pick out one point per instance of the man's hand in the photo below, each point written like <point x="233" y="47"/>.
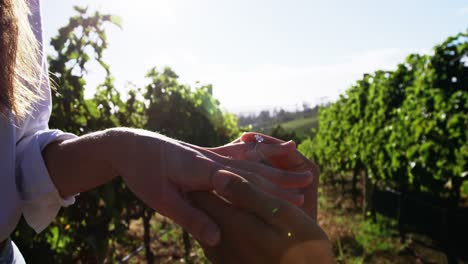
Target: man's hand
<point x="259" y="228"/>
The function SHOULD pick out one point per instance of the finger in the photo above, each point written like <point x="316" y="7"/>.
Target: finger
<point x="304" y="163"/>
<point x="311" y="194"/>
<point x="202" y="163"/>
<point x="282" y="155"/>
<point x="310" y="201"/>
<point x="269" y="187"/>
<point x="248" y="197"/>
<point x="277" y="150"/>
<point x="192" y="219"/>
<point x="250" y="137"/>
<point x="282" y="178"/>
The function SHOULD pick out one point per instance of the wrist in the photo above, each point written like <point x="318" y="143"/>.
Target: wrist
<point x="120" y="145"/>
<point x="127" y="146"/>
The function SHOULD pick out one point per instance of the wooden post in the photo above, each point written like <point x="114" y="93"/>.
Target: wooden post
<point x="187" y="246"/>
<point x="147" y="215"/>
<point x="368" y="190"/>
<point x="354" y="187"/>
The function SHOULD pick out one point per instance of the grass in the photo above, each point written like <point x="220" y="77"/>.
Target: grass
<point x="167" y="245"/>
<point x="378" y="236"/>
<point x="355" y="240"/>
<point x="302" y="126"/>
<point x="373" y="240"/>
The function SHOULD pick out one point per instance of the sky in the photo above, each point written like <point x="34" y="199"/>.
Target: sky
<point x="265" y="54"/>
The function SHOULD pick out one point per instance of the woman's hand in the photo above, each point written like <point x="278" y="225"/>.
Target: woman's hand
<point x="259" y="228"/>
<point x="273" y="151"/>
<point x="278" y="154"/>
<point x="160" y="171"/>
<point x="243" y="148"/>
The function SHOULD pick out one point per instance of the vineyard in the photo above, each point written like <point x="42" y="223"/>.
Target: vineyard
<point x="393" y="138"/>
<point x="405" y="129"/>
<point x="402" y="137"/>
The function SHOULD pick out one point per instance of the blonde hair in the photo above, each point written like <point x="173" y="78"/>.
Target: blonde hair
<point x="20" y="68"/>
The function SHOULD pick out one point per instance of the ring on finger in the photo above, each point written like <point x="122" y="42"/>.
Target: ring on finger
<point x="259" y="138"/>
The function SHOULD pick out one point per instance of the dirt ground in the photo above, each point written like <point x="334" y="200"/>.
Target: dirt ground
<point x="338" y="216"/>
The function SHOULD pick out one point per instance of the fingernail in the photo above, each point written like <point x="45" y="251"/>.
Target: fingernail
<point x="220" y="181"/>
<point x="211" y="235"/>
<point x="291" y="142"/>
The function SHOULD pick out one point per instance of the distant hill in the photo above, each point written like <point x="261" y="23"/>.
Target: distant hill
<point x="299" y="122"/>
<point x="302" y="126"/>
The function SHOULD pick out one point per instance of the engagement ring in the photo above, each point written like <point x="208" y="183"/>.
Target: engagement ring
<point x="259" y="138"/>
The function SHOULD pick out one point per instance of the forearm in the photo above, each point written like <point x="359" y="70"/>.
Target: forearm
<point x="80" y="164"/>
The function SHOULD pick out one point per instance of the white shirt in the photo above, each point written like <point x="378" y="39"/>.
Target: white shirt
<point x="25" y="185"/>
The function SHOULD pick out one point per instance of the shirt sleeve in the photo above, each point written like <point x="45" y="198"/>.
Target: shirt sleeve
<point x="41" y="200"/>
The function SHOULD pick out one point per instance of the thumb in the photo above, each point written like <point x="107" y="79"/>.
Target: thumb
<point x="195" y="221"/>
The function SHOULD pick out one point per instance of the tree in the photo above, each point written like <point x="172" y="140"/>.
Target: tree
<point x="90" y="230"/>
<point x="187" y="114"/>
<point x="405" y="129"/>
